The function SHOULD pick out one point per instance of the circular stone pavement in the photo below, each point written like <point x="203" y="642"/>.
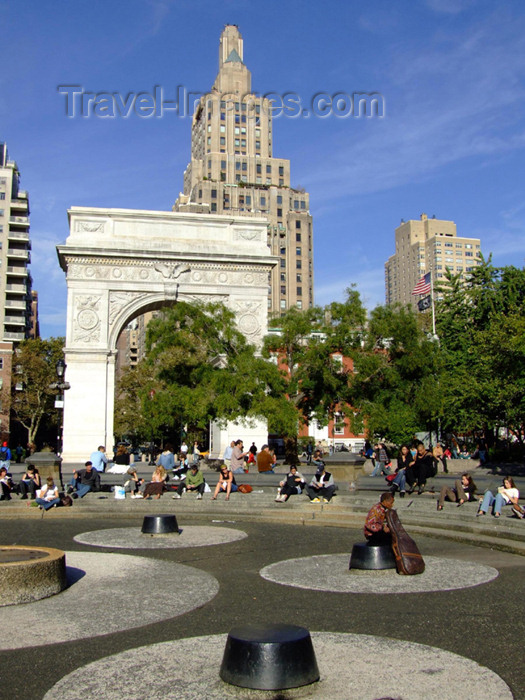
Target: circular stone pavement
<point x="156" y="672"/>
<point x="107" y="593"/>
<point x="132" y="538"/>
<point x="329" y="572"/>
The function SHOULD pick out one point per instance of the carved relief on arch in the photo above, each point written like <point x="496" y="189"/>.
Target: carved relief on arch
<point x="86" y="323"/>
<point x="249" y="319"/>
<point x="119" y="300"/>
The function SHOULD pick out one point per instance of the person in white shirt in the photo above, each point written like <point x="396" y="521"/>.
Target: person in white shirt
<point x="507" y="495"/>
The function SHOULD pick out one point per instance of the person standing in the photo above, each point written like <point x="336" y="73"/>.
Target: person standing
<point x="383" y="462"/>
<point x="196" y="452"/>
<point x="237" y="458"/>
<point x="5" y="456"/>
<point x="227" y="456"/>
<point x="439" y="454"/>
<point x="309" y="452"/>
<point x="98" y="459"/>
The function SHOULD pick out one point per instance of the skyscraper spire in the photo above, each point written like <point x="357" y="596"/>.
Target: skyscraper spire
<point x="233" y="172"/>
<point x="233" y="76"/>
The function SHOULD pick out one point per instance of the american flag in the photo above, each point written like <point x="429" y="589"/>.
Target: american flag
<point x="423" y="286"/>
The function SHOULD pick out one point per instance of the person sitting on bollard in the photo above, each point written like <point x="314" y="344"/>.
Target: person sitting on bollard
<point x="6" y="484"/>
<point x="293" y="484"/>
<point x="226" y="483"/>
<point x="83" y="481"/>
<point x="48" y="495"/>
<point x="194" y="482"/>
<point x="321" y="487"/>
<point x="157" y="485"/>
<point x="507" y="495"/>
<point x="464" y="490"/>
<point x="29" y="483"/>
<point x="376" y="529"/>
<point x="133" y="483"/>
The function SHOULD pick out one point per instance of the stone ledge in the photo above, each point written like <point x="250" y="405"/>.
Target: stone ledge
<point x="27" y="580"/>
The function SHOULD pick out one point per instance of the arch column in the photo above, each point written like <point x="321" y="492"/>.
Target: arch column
<point x="89" y="403"/>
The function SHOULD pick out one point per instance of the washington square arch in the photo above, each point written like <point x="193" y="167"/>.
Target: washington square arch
<point x="120" y="263"/>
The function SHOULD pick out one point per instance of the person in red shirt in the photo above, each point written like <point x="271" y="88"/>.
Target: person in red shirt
<point x="376" y="530"/>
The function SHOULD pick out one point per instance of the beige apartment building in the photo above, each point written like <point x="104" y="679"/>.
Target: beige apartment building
<point x="426" y="245"/>
<point x="233" y="172"/>
<point x="18" y="306"/>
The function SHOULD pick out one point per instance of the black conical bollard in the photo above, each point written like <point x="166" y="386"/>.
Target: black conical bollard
<point x="160" y="525"/>
<point x="269" y="657"/>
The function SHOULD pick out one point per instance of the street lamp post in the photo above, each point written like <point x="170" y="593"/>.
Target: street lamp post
<point x="61" y="386"/>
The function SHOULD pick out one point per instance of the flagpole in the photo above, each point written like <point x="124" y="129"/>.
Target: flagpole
<point x="432" y="302"/>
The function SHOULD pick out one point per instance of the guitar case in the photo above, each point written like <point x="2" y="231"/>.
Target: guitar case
<point x="408" y="557"/>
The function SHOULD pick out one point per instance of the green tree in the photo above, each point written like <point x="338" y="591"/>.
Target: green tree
<point x="395" y="389"/>
<point x="199" y="368"/>
<point x="34" y="370"/>
<point x="480" y="325"/>
<point x="313" y="348"/>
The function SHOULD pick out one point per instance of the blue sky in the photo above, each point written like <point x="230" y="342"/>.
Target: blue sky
<point x="451" y="143"/>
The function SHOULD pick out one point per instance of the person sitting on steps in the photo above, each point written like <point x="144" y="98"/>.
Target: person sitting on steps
<point x="321" y="487"/>
<point x="194" y="482"/>
<point x="464" y="490"/>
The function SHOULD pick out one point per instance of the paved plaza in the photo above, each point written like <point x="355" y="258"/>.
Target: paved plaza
<point x="142" y="619"/>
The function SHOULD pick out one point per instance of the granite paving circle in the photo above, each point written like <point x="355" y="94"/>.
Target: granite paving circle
<point x="186" y="669"/>
<point x="132" y="537"/>
<point x="107" y="593"/>
<point x="329" y="572"/>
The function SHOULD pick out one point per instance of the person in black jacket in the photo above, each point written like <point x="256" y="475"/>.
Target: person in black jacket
<point x="424" y="467"/>
<point x="293" y="484"/>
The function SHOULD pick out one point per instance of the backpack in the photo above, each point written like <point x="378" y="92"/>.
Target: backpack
<point x="3" y="454"/>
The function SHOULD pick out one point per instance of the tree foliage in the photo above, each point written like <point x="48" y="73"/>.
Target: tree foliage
<point x="200" y="368"/>
<point x="480" y="324"/>
<point x="34" y="370"/>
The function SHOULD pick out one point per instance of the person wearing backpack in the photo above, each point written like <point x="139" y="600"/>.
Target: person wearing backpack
<point x="5" y="456"/>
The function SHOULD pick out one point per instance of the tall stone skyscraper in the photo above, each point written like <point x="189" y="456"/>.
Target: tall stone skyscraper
<point x="426" y="245"/>
<point x="233" y="172"/>
<point x="18" y="307"/>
